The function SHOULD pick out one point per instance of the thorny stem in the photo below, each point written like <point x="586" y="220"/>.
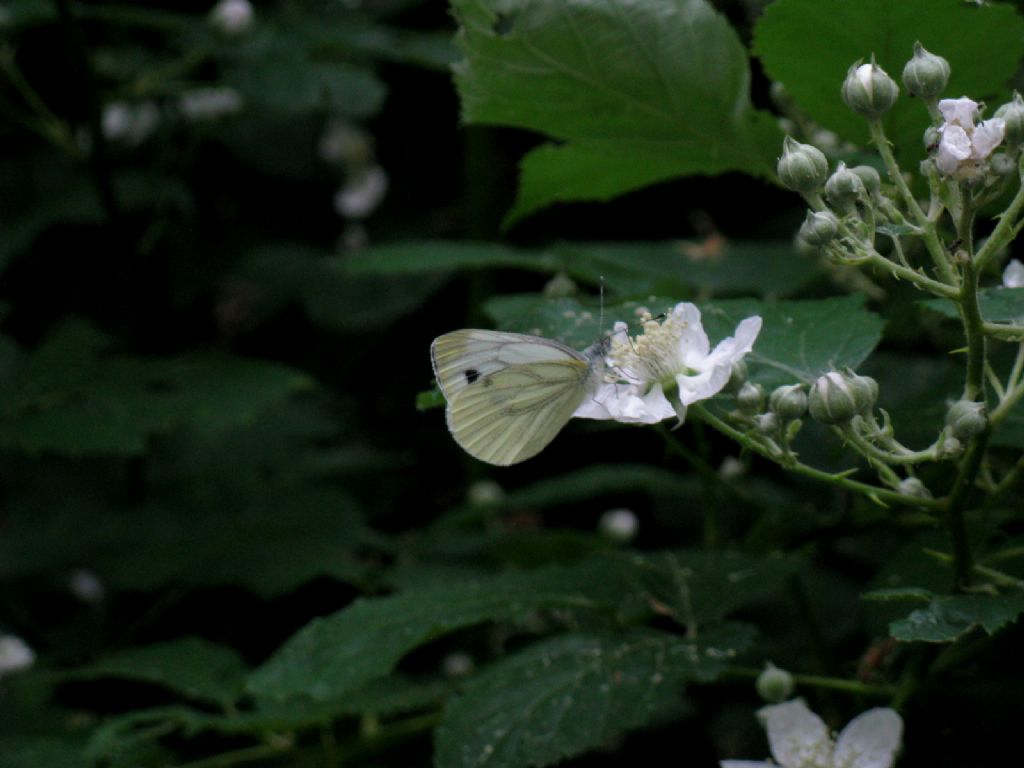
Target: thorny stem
<point x="1005" y="230"/>
<point x="874" y="492"/>
<point x="928" y="232"/>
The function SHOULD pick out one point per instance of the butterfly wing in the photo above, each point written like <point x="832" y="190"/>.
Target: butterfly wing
<point x="463" y="357"/>
<point x="508" y="394"/>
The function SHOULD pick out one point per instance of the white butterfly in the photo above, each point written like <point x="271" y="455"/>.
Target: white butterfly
<point x="509" y="394"/>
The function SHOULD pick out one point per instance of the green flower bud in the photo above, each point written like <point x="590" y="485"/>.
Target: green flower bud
<point x="951" y="448"/>
<point x="619" y="525"/>
<point x="802" y="167"/>
<point x="1013" y="114"/>
<point x="737" y="377"/>
<point x="911" y="486"/>
<point x="932" y="137"/>
<point x="789" y="401"/>
<point x="869" y="91"/>
<point x="774" y="685"/>
<point x="819" y="228"/>
<point x="844" y="188"/>
<point x="561" y="286"/>
<point x="832" y="399"/>
<point x="750" y="398"/>
<point x="768" y="423"/>
<point x="1002" y="164"/>
<point x="865" y="391"/>
<point x="967" y="419"/>
<point x="926" y="74"/>
<point x="869" y="176"/>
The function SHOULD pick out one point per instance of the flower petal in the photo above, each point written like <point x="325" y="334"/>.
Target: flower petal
<point x="798" y="738"/>
<point x="987" y="137"/>
<point x="1013" y="275"/>
<point x="954" y="147"/>
<point x="693" y="341"/>
<point x="960" y="111"/>
<point x="625" y="403"/>
<point x="871" y="740"/>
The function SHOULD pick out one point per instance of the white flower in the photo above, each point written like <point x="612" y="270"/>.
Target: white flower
<point x="670" y="353"/>
<point x="86" y="586"/>
<point x="232" y="17"/>
<point x="15" y="655"/>
<point x="362" y="193"/>
<point x="964" y="145"/>
<point x="1013" y="275"/>
<point x="345" y="144"/>
<point x="799" y="739"/>
<point x="619" y="525"/>
<point x="130" y="123"/>
<point x="209" y="103"/>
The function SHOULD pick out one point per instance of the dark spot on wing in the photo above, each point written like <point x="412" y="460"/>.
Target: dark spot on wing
<point x="472" y="375"/>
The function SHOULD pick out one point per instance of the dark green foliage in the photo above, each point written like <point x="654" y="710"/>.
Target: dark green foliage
<point x="233" y="527"/>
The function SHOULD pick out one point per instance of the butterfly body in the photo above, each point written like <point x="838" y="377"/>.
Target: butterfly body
<point x="509" y="394"/>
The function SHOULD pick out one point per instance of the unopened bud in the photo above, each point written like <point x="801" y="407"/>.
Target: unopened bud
<point x="837" y="397"/>
<point x="819" y="228"/>
<point x="967" y="419"/>
<point x="561" y="286"/>
<point x="750" y="398"/>
<point x="1002" y="164"/>
<point x="926" y="74"/>
<point x="869" y="91"/>
<point x="951" y="448"/>
<point x="802" y="167"/>
<point x="844" y="188"/>
<point x="619" y="525"/>
<point x="911" y="486"/>
<point x="773" y="684"/>
<point x="869" y="176"/>
<point x="768" y="423"/>
<point x="737" y="377"/>
<point x="1012" y="113"/>
<point x="789" y="401"/>
<point x="483" y="493"/>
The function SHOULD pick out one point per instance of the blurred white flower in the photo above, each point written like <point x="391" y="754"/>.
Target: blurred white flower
<point x="86" y="586"/>
<point x="1013" y="275"/>
<point x="673" y="352"/>
<point x="232" y="17"/>
<point x="458" y="664"/>
<point x="362" y="192"/>
<point x="130" y="123"/>
<point x="15" y="655"/>
<point x="345" y="144"/>
<point x="210" y="103"/>
<point x="799" y="739"/>
<point x="619" y="525"/>
<point x="964" y="145"/>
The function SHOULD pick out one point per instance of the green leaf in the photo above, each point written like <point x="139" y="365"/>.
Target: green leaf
<point x="68" y="398"/>
<point x="950" y="617"/>
<point x="640" y="91"/>
<point x="341" y="652"/>
<point x="983" y="45"/>
<point x="193" y="667"/>
<point x="330" y="294"/>
<point x="800" y="340"/>
<point x="293" y="84"/>
<point x="626" y="269"/>
<point x="997" y="304"/>
<point x="575" y="692"/>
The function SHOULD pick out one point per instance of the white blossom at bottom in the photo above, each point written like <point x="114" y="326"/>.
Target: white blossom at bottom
<point x="1013" y="275"/>
<point x="798" y="738"/>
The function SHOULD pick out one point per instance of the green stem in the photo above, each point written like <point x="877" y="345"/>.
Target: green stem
<point x="928" y="233"/>
<point x="856" y="687"/>
<point x="1004" y="231"/>
<point x="874" y="492"/>
<point x="956" y="524"/>
<point x="870" y="450"/>
<point x="974" y="326"/>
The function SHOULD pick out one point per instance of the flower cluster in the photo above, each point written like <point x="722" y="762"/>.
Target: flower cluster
<point x="673" y="352"/>
<point x="964" y="146"/>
